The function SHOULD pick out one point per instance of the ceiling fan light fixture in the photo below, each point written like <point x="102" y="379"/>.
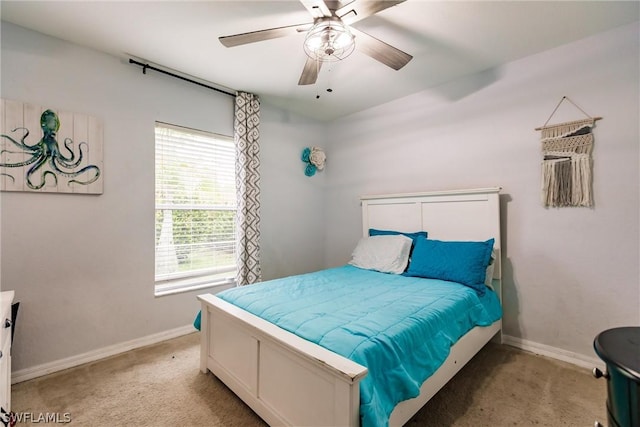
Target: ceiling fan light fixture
<point x="329" y="40"/>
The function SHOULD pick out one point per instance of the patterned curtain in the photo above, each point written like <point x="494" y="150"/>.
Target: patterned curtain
<point x="246" y="136"/>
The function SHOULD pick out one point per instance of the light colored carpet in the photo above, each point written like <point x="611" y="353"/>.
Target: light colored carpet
<point x="161" y="385"/>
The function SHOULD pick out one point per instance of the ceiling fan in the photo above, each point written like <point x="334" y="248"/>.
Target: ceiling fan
<point x="330" y="37"/>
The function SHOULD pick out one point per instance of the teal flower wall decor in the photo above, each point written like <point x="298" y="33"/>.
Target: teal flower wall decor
<point x="315" y="159"/>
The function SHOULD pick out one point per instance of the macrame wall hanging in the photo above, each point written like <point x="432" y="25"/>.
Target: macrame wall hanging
<point x="567" y="164"/>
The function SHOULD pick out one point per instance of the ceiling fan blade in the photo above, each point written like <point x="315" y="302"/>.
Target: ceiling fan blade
<point x="261" y="35"/>
<point x="358" y="10"/>
<point x="317" y="8"/>
<point x="380" y="51"/>
<point x="310" y="72"/>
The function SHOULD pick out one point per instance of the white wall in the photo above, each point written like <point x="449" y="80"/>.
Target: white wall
<point x="292" y="223"/>
<point x="570" y="273"/>
<point x="83" y="266"/>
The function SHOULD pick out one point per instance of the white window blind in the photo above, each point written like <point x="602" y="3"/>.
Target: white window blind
<point x="195" y="208"/>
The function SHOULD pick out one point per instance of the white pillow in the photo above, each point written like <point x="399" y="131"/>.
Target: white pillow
<point x="387" y="254"/>
<point x="488" y="281"/>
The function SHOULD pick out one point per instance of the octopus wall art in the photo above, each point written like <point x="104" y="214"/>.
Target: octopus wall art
<point x="68" y="163"/>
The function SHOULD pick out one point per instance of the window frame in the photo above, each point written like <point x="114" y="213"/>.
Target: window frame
<point x="190" y="280"/>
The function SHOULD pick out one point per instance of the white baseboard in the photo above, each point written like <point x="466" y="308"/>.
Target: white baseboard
<point x="101" y="353"/>
<point x="553" y="352"/>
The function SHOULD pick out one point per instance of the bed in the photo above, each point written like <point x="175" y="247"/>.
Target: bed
<point x="289" y="380"/>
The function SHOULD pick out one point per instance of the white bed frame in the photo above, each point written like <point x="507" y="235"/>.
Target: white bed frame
<point x="289" y="381"/>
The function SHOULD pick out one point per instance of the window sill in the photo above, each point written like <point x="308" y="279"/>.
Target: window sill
<point x="188" y="285"/>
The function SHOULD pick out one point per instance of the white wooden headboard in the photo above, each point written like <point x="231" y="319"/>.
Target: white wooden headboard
<point x="446" y="215"/>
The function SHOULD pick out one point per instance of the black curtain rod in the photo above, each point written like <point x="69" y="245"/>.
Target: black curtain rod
<point x="146" y="67"/>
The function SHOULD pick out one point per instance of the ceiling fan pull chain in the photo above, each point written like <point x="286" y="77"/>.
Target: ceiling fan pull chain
<point x="317" y="72"/>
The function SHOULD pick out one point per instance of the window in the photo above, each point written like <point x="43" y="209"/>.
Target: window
<point x="195" y="209"/>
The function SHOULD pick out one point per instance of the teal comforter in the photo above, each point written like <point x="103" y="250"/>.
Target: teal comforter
<point x="400" y="328"/>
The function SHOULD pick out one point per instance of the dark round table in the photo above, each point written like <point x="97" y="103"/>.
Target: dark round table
<point x="619" y="348"/>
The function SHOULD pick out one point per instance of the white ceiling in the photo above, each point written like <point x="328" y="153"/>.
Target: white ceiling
<point x="448" y="40"/>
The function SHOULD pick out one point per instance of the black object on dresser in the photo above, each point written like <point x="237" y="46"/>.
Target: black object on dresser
<point x="619" y="348"/>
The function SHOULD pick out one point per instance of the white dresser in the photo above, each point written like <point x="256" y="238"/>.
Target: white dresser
<point x="6" y="300"/>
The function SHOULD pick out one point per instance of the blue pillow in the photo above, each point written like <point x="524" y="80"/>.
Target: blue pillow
<point x="197" y="320"/>
<point x="413" y="236"/>
<point x="462" y="262"/>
